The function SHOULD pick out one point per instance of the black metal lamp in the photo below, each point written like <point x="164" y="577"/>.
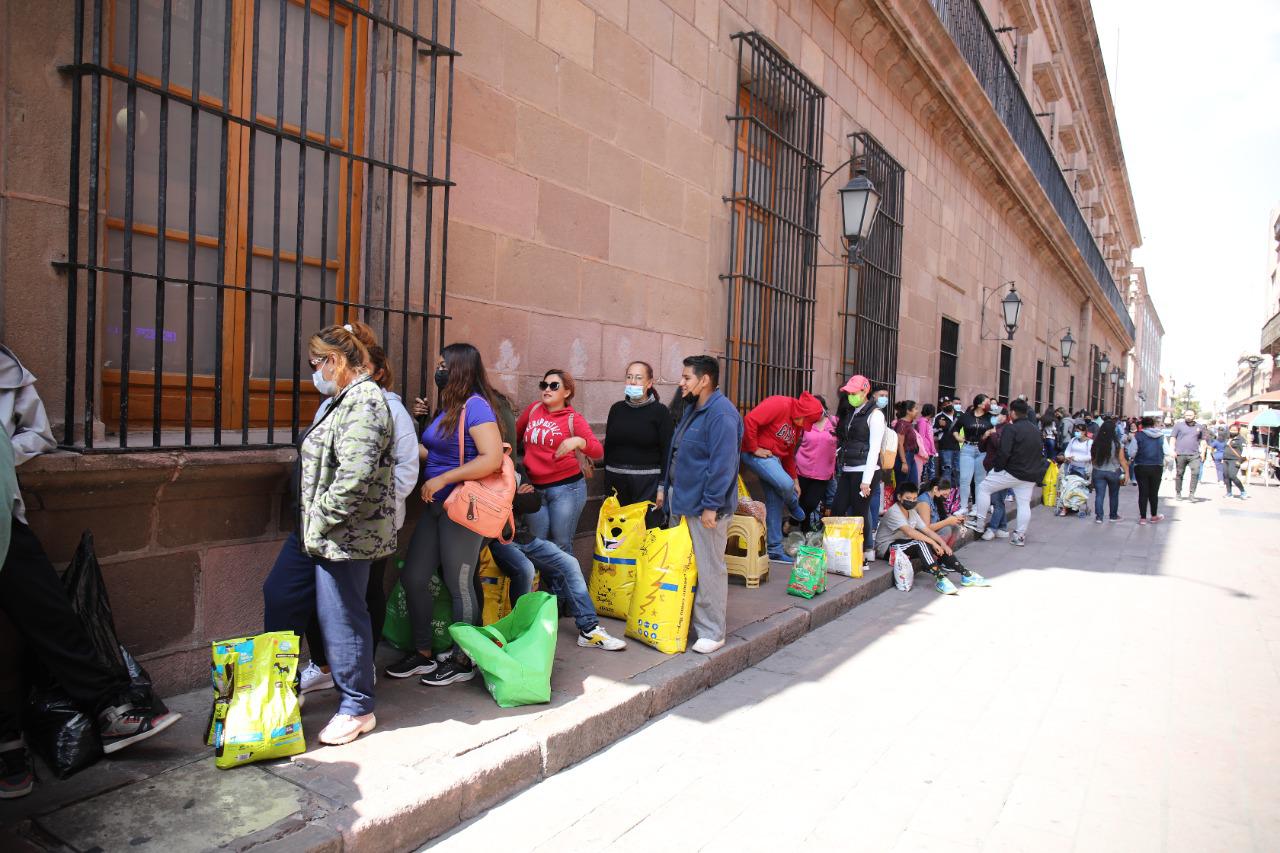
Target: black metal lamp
<point x="1067" y="345"/>
<point x="1011" y="307"/>
<point x="859" y="201"/>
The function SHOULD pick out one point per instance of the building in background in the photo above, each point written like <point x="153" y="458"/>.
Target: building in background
<point x="1142" y="390"/>
<point x="1255" y="381"/>
<point x="566" y="184"/>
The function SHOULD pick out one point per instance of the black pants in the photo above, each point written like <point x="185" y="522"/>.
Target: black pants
<point x="1231" y="475"/>
<point x="375" y="598"/>
<point x="1148" y="477"/>
<point x="924" y="559"/>
<point x="440" y="545"/>
<point x="812" y="493"/>
<point x="850" y="502"/>
<point x="634" y="489"/>
<point x="46" y="628"/>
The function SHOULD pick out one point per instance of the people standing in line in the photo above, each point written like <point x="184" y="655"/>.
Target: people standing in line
<point x="702" y="489"/>
<point x="888" y="456"/>
<point x="902" y="526"/>
<point x="1019" y="465"/>
<point x="1188" y="449"/>
<point x="439" y="544"/>
<point x="1232" y="458"/>
<point x="637" y="437"/>
<point x="1049" y="433"/>
<point x="346" y="502"/>
<point x="989" y="444"/>
<point x="1147" y="449"/>
<point x="968" y="429"/>
<point x="927" y="454"/>
<point x="860" y="432"/>
<point x="1109" y="466"/>
<point x="404" y="442"/>
<point x="945" y="440"/>
<point x="557" y="442"/>
<point x="905" y="467"/>
<point x="816" y="464"/>
<point x="770" y="433"/>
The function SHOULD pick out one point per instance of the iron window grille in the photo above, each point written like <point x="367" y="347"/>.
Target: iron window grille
<point x="250" y="171"/>
<point x="1039" y="384"/>
<point x="1006" y="370"/>
<point x="978" y="43"/>
<point x="1053" y="387"/>
<point x="948" y="357"/>
<point x="873" y="290"/>
<point x="1095" y="381"/>
<point x="771" y="283"/>
<point x="1071" y="394"/>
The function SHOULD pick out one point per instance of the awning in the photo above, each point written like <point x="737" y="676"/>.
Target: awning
<point x="1260" y="418"/>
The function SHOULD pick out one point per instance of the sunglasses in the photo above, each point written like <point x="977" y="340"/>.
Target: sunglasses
<point x="543" y="386"/>
<point x="316" y="362"/>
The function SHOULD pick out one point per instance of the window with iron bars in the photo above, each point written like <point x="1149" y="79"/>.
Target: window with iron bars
<point x="1071" y="395"/>
<point x="264" y="168"/>
<point x="874" y="280"/>
<point x="1053" y="387"/>
<point x="1039" y="384"/>
<point x="1095" y="382"/>
<point x="771" y="284"/>
<point x="948" y="357"/>
<point x="1006" y="371"/>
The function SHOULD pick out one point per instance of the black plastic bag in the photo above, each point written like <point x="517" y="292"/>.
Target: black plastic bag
<point x="141" y="692"/>
<point x="88" y="593"/>
<point x="62" y="735"/>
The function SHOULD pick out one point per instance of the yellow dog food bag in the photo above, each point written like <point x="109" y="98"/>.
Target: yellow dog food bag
<point x="255" y="712"/>
<point x="496" y="588"/>
<point x="620" y="535"/>
<point x="842" y="540"/>
<point x="662" y="606"/>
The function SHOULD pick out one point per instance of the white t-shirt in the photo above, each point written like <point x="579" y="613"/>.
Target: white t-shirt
<point x="893" y="519"/>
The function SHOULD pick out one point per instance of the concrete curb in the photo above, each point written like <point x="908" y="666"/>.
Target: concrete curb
<point x="462" y="787"/>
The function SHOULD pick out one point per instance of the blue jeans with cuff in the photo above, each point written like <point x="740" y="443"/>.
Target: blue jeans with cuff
<point x="999" y="515"/>
<point x="971" y="472"/>
<point x="561" y="575"/>
<point x="779" y="494"/>
<point x="557" y="519"/>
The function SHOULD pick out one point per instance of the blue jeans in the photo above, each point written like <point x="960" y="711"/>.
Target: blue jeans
<point x="873" y="508"/>
<point x="1104" y="482"/>
<point x="950" y="462"/>
<point x="908" y="473"/>
<point x="999" y="519"/>
<point x="557" y="519"/>
<point x="299" y="585"/>
<point x="779" y="493"/>
<point x="971" y="471"/>
<point x="561" y="575"/>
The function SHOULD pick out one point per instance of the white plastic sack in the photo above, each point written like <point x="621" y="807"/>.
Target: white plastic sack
<point x="904" y="574"/>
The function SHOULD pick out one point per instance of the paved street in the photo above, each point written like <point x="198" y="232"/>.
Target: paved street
<point x="1114" y="690"/>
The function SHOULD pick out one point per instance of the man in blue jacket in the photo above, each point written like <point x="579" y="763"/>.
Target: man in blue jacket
<point x="702" y="474"/>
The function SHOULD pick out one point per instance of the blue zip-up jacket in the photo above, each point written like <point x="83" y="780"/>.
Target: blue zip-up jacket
<point x="702" y="464"/>
<point x="1149" y="446"/>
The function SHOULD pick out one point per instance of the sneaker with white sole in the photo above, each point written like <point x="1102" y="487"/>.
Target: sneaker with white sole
<point x="17" y="777"/>
<point x="314" y="678"/>
<point x="598" y="638"/>
<point x="869" y="556"/>
<point x="344" y="728"/>
<point x="125" y="725"/>
<point x="988" y="535"/>
<point x="448" y="672"/>
<point x="706" y="646"/>
<point x="945" y="586"/>
<point x="1002" y="534"/>
<point x="973" y="579"/>
<point x="1018" y="539"/>
<point x="410" y="665"/>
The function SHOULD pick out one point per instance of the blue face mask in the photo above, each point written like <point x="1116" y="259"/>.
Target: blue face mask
<point x="882" y="402"/>
<point x="634" y="392"/>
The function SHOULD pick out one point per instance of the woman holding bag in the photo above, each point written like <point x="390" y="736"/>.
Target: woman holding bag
<point x="439" y="543"/>
<point x="557" y="444"/>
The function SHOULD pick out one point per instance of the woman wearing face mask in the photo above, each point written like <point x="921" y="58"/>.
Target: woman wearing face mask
<point x="636" y="439"/>
<point x="1232" y="459"/>
<point x="906" y="467"/>
<point x="927" y="455"/>
<point x="1078" y="453"/>
<point x="860" y="433"/>
<point x="968" y="429"/>
<point x="441" y="545"/>
<point x="552" y="435"/>
<point x="945" y="440"/>
<point x="816" y="465"/>
<point x="346" y="499"/>
<point x="1109" y="464"/>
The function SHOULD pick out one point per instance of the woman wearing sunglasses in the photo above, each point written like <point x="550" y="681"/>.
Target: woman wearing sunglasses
<point x="557" y="443"/>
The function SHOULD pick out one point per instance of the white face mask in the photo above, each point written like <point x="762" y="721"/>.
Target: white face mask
<point x="327" y="387"/>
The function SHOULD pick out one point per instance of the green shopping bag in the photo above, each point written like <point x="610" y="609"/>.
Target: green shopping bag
<point x="441" y="615"/>
<point x="397" y="630"/>
<point x="515" y="653"/>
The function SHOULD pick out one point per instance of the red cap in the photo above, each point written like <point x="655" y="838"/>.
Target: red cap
<point x="857" y="384"/>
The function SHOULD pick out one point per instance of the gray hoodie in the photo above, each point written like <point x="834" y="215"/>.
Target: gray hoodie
<point x="21" y="410"/>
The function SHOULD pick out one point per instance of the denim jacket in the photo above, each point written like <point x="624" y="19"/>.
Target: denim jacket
<point x="702" y="464"/>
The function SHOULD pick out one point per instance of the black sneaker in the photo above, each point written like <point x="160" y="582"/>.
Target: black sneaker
<point x="125" y="725"/>
<point x="410" y="665"/>
<point x="16" y="776"/>
<point x="448" y="672"/>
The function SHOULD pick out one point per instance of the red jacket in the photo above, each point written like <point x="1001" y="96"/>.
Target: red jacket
<point x="541" y="432"/>
<point x="772" y="424"/>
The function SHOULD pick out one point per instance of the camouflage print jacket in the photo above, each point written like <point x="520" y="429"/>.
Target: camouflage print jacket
<point x="346" y="493"/>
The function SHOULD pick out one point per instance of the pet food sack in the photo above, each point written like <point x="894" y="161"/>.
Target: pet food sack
<point x="904" y="574"/>
<point x="842" y="540"/>
<point x="255" y="712"/>
<point x="1051" y="485"/>
<point x="620" y="534"/>
<point x="809" y="573"/>
<point x="662" y="605"/>
<point x="496" y="588"/>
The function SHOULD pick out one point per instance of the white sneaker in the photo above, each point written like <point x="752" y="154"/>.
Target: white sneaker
<point x="1018" y="539"/>
<point x="314" y="678"/>
<point x="344" y="728"/>
<point x="1002" y="534"/>
<point x="988" y="535"/>
<point x="869" y="556"/>
<point x="706" y="646"/>
<point x="598" y="638"/>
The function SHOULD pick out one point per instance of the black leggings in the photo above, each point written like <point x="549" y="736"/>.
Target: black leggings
<point x="924" y="559"/>
<point x="1231" y="474"/>
<point x="1148" y="477"/>
<point x="850" y="502"/>
<point x="375" y="598"/>
<point x="441" y="546"/>
<point x="812" y="493"/>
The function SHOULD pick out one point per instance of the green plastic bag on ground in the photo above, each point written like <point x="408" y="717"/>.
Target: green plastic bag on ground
<point x="515" y="654"/>
<point x="441" y="615"/>
<point x="397" y="629"/>
<point x="809" y="573"/>
<point x="255" y="712"/>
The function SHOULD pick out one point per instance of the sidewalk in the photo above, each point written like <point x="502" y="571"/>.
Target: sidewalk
<point x="437" y="757"/>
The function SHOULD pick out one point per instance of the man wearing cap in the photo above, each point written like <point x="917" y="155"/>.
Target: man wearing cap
<point x="1189" y="440"/>
<point x="860" y="433"/>
<point x="770" y="433"/>
<point x="948" y="445"/>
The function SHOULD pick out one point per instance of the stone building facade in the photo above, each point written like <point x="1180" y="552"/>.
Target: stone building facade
<point x="571" y="183"/>
<point x="1142" y="391"/>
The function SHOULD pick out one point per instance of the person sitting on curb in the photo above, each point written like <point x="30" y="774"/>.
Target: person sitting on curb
<point x="560" y="572"/>
<point x="770" y="433"/>
<point x="1019" y="465"/>
<point x="901" y="525"/>
<point x="932" y="511"/>
<point x="702" y="489"/>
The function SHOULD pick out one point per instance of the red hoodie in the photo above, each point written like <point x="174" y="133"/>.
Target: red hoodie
<point x="772" y="425"/>
<point x="541" y="433"/>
